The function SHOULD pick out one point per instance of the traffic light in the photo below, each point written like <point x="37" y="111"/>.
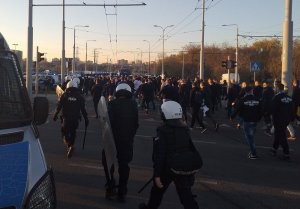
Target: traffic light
<point x="229" y="64"/>
<point x="40" y="56"/>
<point x="224" y="64"/>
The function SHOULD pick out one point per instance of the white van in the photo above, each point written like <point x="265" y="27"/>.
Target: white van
<point x="26" y="182"/>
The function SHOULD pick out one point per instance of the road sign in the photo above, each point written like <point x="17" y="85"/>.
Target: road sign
<point x="255" y="66"/>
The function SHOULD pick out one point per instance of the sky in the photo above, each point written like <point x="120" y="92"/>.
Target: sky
<point x="120" y="31"/>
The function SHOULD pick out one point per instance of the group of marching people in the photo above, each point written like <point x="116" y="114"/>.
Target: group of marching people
<point x="125" y="94"/>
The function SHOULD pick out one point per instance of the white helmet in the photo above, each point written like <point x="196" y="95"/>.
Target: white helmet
<point x="72" y="83"/>
<point x="123" y="86"/>
<point x="171" y="110"/>
<point x="77" y="80"/>
<point x="68" y="78"/>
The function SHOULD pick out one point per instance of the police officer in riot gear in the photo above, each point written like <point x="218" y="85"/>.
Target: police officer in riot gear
<point x="166" y="141"/>
<point x="123" y="115"/>
<point x="72" y="104"/>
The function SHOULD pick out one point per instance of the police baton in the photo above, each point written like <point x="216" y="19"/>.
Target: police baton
<point x="147" y="183"/>
<point x="84" y="137"/>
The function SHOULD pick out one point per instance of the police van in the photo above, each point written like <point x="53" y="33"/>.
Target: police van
<point x="26" y="182"/>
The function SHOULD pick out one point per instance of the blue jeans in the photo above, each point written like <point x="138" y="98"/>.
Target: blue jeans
<point x="249" y="130"/>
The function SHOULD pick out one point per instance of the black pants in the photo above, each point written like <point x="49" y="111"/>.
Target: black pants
<point x="124" y="155"/>
<point x="197" y="113"/>
<point x="68" y="130"/>
<point x="183" y="186"/>
<point x="267" y="120"/>
<point x="280" y="138"/>
<point x="96" y="102"/>
<point x="210" y="117"/>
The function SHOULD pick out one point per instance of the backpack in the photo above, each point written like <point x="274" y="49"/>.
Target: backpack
<point x="182" y="156"/>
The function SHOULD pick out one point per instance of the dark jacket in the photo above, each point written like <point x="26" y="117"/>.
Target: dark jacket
<point x="248" y="108"/>
<point x="72" y="103"/>
<point x="282" y="109"/>
<point x="97" y="91"/>
<point x="267" y="96"/>
<point x="123" y="115"/>
<point x="171" y="136"/>
<point x="167" y="92"/>
<point x="257" y="92"/>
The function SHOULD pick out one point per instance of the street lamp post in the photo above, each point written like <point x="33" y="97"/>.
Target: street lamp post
<point x="163" y="55"/>
<point x="63" y="56"/>
<point x="74" y="47"/>
<point x="96" y="60"/>
<point x="149" y="57"/>
<point x="236" y="50"/>
<point x="85" y="69"/>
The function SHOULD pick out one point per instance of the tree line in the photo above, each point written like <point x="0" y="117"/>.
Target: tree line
<point x="267" y="52"/>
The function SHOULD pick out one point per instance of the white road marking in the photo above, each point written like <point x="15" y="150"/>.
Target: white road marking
<point x="97" y="167"/>
<point x="291" y="193"/>
<point x="207" y="182"/>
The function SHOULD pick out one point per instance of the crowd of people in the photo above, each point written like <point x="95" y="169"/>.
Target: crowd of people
<point x="246" y="102"/>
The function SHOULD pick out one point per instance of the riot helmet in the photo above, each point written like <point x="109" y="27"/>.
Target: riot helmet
<point x="123" y="86"/>
<point x="77" y="80"/>
<point x="123" y="89"/>
<point x="171" y="110"/>
<point x="72" y="83"/>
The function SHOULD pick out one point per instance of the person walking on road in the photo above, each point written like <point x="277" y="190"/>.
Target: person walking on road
<point x="172" y="137"/>
<point x="123" y="116"/>
<point x="97" y="91"/>
<point x="196" y="101"/>
<point x="282" y="111"/>
<point x="72" y="104"/>
<point x="250" y="110"/>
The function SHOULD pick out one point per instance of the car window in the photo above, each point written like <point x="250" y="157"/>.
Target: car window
<point x="15" y="108"/>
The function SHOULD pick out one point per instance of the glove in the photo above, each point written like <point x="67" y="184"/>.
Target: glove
<point x="55" y="117"/>
<point x="86" y="120"/>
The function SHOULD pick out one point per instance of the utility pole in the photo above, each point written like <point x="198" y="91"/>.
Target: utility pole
<point x="287" y="46"/>
<point x="182" y="72"/>
<point x="201" y="72"/>
<point x="29" y="52"/>
<point x="63" y="54"/>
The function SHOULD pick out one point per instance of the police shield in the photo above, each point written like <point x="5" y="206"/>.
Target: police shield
<point x="109" y="153"/>
<point x="59" y="92"/>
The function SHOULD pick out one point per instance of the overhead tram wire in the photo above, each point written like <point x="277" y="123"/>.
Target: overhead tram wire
<point x="175" y="26"/>
<point x="215" y="4"/>
<point x="110" y="35"/>
<point x="209" y="7"/>
<point x="116" y="11"/>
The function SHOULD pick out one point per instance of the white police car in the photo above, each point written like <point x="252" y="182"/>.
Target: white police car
<point x="25" y="180"/>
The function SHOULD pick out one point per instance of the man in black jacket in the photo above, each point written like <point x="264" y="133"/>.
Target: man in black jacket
<point x="72" y="104"/>
<point x="123" y="116"/>
<point x="97" y="91"/>
<point x="249" y="109"/>
<point x="172" y="135"/>
<point x="267" y="96"/>
<point x="282" y="110"/>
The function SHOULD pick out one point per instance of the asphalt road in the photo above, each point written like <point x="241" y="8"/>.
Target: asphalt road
<point x="228" y="179"/>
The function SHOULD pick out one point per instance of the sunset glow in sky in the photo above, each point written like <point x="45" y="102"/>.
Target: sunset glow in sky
<point x="120" y="31"/>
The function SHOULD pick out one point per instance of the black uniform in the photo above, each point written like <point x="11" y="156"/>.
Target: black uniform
<point x="123" y="115"/>
<point x="171" y="131"/>
<point x="72" y="104"/>
<point x="96" y="92"/>
<point x="282" y="110"/>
